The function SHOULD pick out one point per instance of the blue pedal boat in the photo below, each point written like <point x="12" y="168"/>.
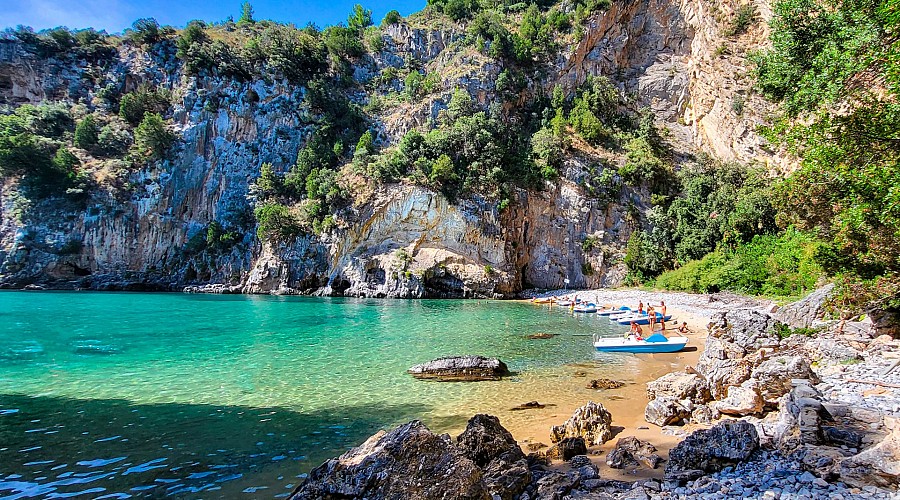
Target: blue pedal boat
<point x="642" y="320"/>
<point x="652" y="344"/>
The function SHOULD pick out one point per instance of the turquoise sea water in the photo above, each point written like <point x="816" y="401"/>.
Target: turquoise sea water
<point x="122" y="395"/>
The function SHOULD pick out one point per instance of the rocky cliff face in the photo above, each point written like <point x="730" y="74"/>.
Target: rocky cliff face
<point x="402" y="241"/>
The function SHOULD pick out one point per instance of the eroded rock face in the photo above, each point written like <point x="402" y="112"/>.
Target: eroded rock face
<point x="460" y="369"/>
<point x="711" y="450"/>
<point x="591" y="422"/>
<point x="407" y="462"/>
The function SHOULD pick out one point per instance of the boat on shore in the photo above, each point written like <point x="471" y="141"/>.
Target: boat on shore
<point x="642" y="320"/>
<point x="610" y="312"/>
<point x="652" y="344"/>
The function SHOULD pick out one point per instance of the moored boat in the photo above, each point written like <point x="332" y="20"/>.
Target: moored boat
<point x="654" y="343"/>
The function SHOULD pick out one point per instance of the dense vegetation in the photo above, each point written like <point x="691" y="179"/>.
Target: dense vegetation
<point x="834" y="67"/>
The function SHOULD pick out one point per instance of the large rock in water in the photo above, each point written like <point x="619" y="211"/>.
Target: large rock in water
<point x="591" y="422"/>
<point x="407" y="462"/>
<point x="461" y="369"/>
<point x="711" y="450"/>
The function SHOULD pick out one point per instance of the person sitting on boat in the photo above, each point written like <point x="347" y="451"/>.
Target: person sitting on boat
<point x="635" y="331"/>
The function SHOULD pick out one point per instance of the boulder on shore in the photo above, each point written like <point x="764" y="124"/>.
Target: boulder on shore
<point x="631" y="452"/>
<point x="711" y="450"/>
<point x="680" y="385"/>
<point x="741" y="400"/>
<point x="666" y="410"/>
<point x="591" y="422"/>
<point x="460" y="369"/>
<point x="774" y="375"/>
<point x="566" y="449"/>
<point x="407" y="462"/>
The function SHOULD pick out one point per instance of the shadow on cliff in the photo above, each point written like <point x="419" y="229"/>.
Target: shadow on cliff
<point x="175" y="448"/>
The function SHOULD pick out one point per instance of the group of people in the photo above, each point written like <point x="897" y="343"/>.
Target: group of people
<point x="653" y="319"/>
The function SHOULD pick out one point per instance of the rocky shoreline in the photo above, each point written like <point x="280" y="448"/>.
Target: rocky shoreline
<point x="775" y="412"/>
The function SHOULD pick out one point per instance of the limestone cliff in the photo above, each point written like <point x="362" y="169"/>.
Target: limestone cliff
<point x="400" y="240"/>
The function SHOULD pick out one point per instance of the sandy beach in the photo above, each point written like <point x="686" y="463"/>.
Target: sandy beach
<point x="627" y="403"/>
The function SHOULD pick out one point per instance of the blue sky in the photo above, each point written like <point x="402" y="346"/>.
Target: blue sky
<point x="116" y="15"/>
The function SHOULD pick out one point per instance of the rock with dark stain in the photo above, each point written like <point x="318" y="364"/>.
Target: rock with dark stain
<point x="460" y="369"/>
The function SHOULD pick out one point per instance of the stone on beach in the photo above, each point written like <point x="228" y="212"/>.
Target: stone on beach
<point x="460" y="369"/>
<point x="591" y="422"/>
<point x="666" y="410"/>
<point x="409" y="461"/>
<point x="680" y="385"/>
<point x="566" y="448"/>
<point x="630" y="452"/>
<point x="741" y="400"/>
<point x="710" y="450"/>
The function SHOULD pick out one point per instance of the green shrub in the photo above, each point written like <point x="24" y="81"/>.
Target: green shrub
<point x="145" y="31"/>
<point x="152" y="138"/>
<point x="134" y="105"/>
<point x="777" y="266"/>
<point x="87" y="133"/>
<point x="360" y="18"/>
<point x="113" y="139"/>
<point x="276" y="222"/>
<point x="392" y="17"/>
<point x="246" y="18"/>
<point x="744" y="17"/>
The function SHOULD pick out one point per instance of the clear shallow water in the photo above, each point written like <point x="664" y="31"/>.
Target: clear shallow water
<point x="136" y="395"/>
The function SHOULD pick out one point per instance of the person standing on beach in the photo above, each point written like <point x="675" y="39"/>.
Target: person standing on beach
<point x="662" y="306"/>
<point x="651" y="316"/>
<point x="641" y="307"/>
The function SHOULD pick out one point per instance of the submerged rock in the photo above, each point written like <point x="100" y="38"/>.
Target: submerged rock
<point x="631" y="452"/>
<point x="541" y="336"/>
<point x="711" y="450"/>
<point x="407" y="462"/>
<point x="531" y="405"/>
<point x="591" y="422"/>
<point x="460" y="369"/>
<point x="604" y="383"/>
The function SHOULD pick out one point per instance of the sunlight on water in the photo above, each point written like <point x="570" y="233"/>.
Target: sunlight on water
<point x="129" y="395"/>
